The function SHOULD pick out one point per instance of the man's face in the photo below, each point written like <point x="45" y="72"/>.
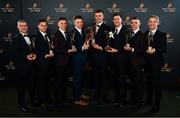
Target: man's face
<point x="79" y="23"/>
<point x="62" y="24"/>
<point x="43" y="27"/>
<point x="99" y="17"/>
<point x="152" y="23"/>
<point x="117" y="21"/>
<point x="135" y="23"/>
<point x="23" y="27"/>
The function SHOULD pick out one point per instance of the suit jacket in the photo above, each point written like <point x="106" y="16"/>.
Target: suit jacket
<point x="137" y="42"/>
<point x="61" y="46"/>
<point x="119" y="41"/>
<point x="79" y="56"/>
<point x="42" y="47"/>
<point x="100" y="57"/>
<point x="160" y="44"/>
<point x="20" y="50"/>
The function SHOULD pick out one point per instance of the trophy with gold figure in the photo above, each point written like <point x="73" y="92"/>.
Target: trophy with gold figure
<point x="128" y="37"/>
<point x="150" y="40"/>
<point x="109" y="36"/>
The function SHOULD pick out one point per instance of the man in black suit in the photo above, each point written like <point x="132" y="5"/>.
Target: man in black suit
<point x="155" y="47"/>
<point x="79" y="59"/>
<point x="100" y="58"/>
<point x="62" y="49"/>
<point x="118" y="59"/>
<point x="135" y="48"/>
<point x="44" y="49"/>
<point x="23" y="56"/>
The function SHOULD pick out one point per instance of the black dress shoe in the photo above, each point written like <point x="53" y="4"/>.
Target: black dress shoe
<point x="43" y="106"/>
<point x="154" y="109"/>
<point x="23" y="109"/>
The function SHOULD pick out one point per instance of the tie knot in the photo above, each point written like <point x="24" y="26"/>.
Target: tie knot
<point x="97" y="25"/>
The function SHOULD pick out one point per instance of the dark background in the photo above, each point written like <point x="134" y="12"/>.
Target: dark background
<point x="33" y="10"/>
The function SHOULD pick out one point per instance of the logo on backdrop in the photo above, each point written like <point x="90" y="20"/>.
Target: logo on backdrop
<point x="141" y="8"/>
<point x="49" y="20"/>
<point x="167" y="67"/>
<point x="8" y="8"/>
<point x="170" y="39"/>
<point x="61" y="8"/>
<point x="169" y="8"/>
<point x="8" y="37"/>
<point x="115" y="8"/>
<point x="87" y="8"/>
<point x="34" y="8"/>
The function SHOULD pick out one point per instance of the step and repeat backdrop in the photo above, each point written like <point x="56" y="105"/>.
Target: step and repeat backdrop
<point x="33" y="10"/>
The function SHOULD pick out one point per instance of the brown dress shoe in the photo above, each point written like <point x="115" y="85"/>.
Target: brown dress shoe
<point x="81" y="102"/>
<point x="85" y="97"/>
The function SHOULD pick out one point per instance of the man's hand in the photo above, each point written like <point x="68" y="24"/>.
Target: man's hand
<point x="86" y="46"/>
<point x="152" y="51"/>
<point x="127" y="48"/>
<point x="31" y="57"/>
<point x="72" y="50"/>
<point x="111" y="50"/>
<point x="96" y="46"/>
<point x="49" y="55"/>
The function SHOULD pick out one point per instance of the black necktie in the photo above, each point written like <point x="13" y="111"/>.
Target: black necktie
<point x="116" y="31"/>
<point x="132" y="33"/>
<point x="66" y="35"/>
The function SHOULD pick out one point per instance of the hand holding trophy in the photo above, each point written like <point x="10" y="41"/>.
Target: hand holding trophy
<point x="150" y="49"/>
<point x="73" y="48"/>
<point x="109" y="36"/>
<point x="32" y="55"/>
<point x="128" y="38"/>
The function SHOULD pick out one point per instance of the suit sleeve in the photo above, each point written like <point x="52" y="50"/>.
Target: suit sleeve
<point x="57" y="48"/>
<point x="162" y="47"/>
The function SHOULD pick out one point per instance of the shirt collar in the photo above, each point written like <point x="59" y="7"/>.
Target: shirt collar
<point x="61" y="30"/>
<point x="78" y="29"/>
<point x="43" y="33"/>
<point x="136" y="30"/>
<point x="153" y="31"/>
<point x="99" y="23"/>
<point x="23" y="33"/>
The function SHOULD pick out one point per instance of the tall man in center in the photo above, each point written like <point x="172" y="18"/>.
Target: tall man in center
<point x="79" y="59"/>
<point x="100" y="57"/>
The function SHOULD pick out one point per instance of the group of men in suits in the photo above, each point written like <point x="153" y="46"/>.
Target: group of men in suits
<point x="119" y="48"/>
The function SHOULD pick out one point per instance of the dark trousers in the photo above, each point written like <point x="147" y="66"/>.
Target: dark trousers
<point x="60" y="83"/>
<point x="24" y="80"/>
<point x="118" y="65"/>
<point x="100" y="82"/>
<point x="137" y="84"/>
<point x="42" y="81"/>
<point x="78" y="75"/>
<point x="153" y="71"/>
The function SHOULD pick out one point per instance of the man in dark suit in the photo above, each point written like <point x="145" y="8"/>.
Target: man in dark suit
<point x="62" y="49"/>
<point x="100" y="58"/>
<point x="118" y="59"/>
<point x="135" y="48"/>
<point x="44" y="49"/>
<point x="79" y="59"/>
<point x="155" y="47"/>
<point x="23" y="56"/>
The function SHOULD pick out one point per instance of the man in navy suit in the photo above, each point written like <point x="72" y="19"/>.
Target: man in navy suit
<point x="155" y="47"/>
<point x="44" y="49"/>
<point x="62" y="49"/>
<point x="23" y="56"/>
<point x="79" y="59"/>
